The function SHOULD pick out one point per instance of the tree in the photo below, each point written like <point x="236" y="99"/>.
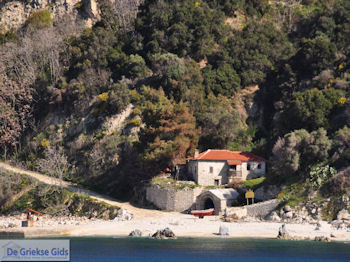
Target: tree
<point x="224" y="80"/>
<point x="222" y="126"/>
<point x="55" y="165"/>
<point x="170" y="133"/>
<point x="311" y="109"/>
<point x="15" y="110"/>
<point x="314" y="56"/>
<point x="298" y="151"/>
<point x="340" y="183"/>
<point x="341" y="148"/>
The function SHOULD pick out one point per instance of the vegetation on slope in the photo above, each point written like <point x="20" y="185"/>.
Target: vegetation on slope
<point x="185" y="68"/>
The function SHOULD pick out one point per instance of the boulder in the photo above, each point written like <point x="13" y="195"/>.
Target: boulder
<point x="288" y="215"/>
<point x="123" y="215"/>
<point x="224" y="230"/>
<point x="287" y="209"/>
<point x="135" y="233"/>
<point x="322" y="239"/>
<point x="343" y="215"/>
<point x="167" y="232"/>
<point x="158" y="235"/>
<point x="283" y="233"/>
<point x="164" y="234"/>
<point x="273" y="217"/>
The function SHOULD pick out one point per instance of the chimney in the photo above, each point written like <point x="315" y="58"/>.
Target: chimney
<point x="196" y="153"/>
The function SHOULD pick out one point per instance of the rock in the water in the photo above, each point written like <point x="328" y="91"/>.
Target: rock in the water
<point x="343" y="215"/>
<point x="167" y="232"/>
<point x="224" y="230"/>
<point x="322" y="239"/>
<point x="123" y="215"/>
<point x="164" y="234"/>
<point x="135" y="233"/>
<point x="273" y="217"/>
<point x="158" y="235"/>
<point x="283" y="233"/>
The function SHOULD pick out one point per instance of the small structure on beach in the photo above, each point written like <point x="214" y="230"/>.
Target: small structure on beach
<point x="220" y="167"/>
<point x="219" y="199"/>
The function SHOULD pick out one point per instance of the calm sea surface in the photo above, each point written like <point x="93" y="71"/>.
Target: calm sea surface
<point x="186" y="249"/>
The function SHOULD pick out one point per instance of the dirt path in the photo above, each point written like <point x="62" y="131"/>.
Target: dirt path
<point x="139" y="213"/>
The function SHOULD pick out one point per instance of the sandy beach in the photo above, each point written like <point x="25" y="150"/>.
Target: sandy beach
<point x="182" y="225"/>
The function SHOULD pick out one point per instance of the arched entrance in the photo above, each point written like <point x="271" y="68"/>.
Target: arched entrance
<point x="208" y="203"/>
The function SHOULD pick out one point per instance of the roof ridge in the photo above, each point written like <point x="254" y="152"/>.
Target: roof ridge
<point x="206" y="152"/>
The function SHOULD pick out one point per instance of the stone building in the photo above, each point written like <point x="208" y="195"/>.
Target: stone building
<point x="220" y="167"/>
<point x="219" y="199"/>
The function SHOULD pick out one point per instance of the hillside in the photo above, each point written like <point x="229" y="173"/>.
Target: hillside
<point x="118" y="91"/>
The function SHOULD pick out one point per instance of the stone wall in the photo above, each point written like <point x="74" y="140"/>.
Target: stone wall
<point x="172" y="199"/>
<point x="261" y="209"/>
<point x="237" y="211"/>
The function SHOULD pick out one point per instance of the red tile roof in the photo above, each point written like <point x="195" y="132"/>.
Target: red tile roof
<point x="224" y="155"/>
<point x="234" y="162"/>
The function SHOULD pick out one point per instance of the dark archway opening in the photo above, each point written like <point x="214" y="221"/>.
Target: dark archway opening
<point x="208" y="203"/>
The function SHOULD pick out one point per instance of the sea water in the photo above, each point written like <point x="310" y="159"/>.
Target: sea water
<point x="202" y="249"/>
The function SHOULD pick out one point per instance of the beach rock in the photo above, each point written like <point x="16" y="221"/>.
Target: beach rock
<point x="283" y="233"/>
<point x="224" y="230"/>
<point x="338" y="224"/>
<point x="288" y="215"/>
<point x="322" y="239"/>
<point x="135" y="233"/>
<point x="318" y="227"/>
<point x="164" y="234"/>
<point x="273" y="217"/>
<point x="158" y="235"/>
<point x="167" y="232"/>
<point x="287" y="209"/>
<point x="123" y="215"/>
<point x="343" y="215"/>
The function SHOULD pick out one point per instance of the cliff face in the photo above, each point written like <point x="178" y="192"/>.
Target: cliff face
<point x="13" y="14"/>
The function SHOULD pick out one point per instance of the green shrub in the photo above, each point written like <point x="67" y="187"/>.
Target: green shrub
<point x="254" y="183"/>
<point x="134" y="122"/>
<point x="8" y="36"/>
<point x="101" y="135"/>
<point x="319" y="175"/>
<point x="136" y="112"/>
<point x="40" y="19"/>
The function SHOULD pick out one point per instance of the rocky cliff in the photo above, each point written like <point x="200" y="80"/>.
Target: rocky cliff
<point x="13" y="14"/>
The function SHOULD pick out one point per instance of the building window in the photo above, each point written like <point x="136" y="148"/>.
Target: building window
<point x="259" y="166"/>
<point x="233" y="167"/>
<point x="216" y="182"/>
<point x="248" y="166"/>
<point x="211" y="169"/>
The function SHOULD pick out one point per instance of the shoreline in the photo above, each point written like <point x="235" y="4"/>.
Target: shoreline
<point x="185" y="226"/>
